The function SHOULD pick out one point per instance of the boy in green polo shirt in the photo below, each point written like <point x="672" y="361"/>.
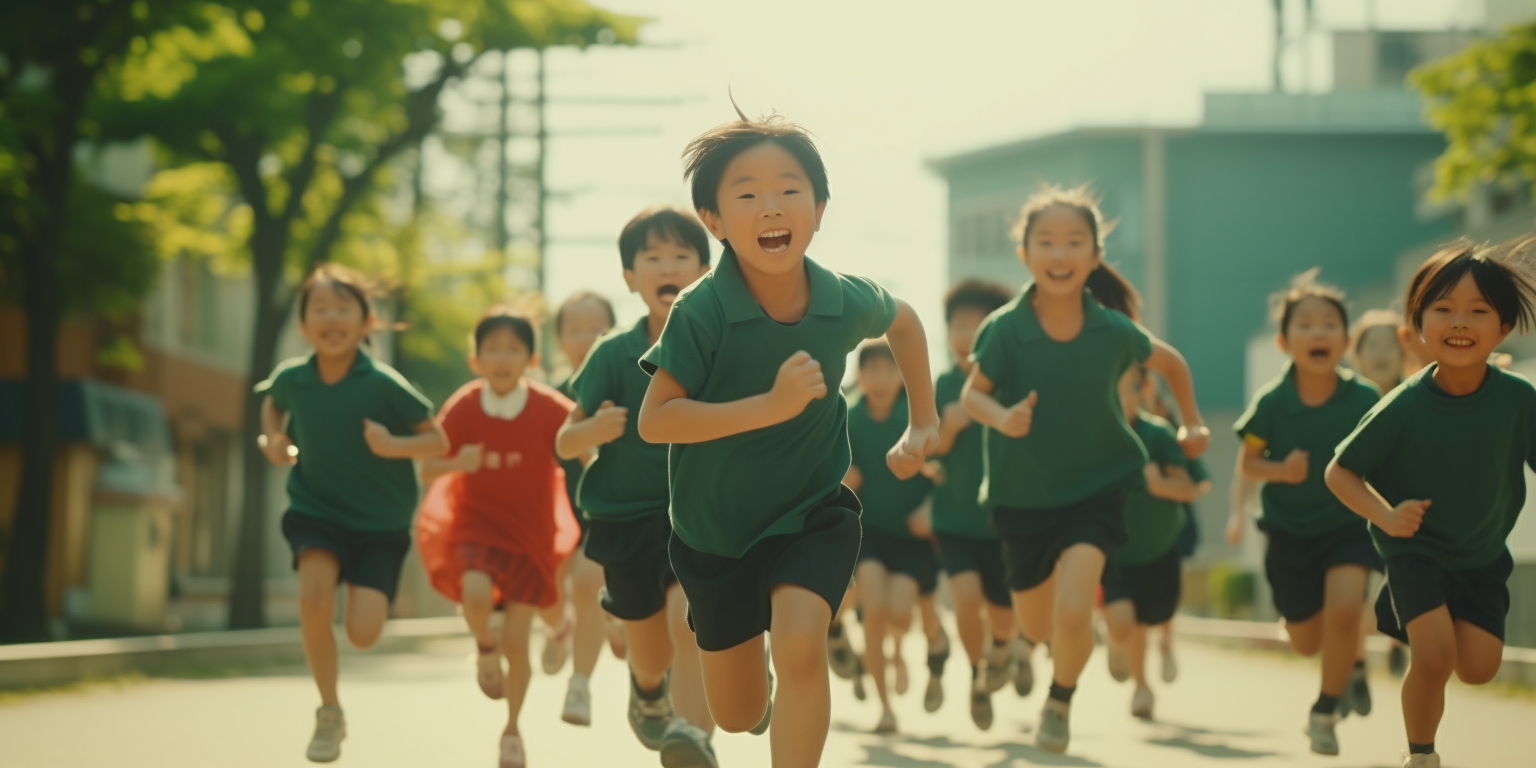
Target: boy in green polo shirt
<point x="1319" y="556"/>
<point x="764" y="535"/>
<point x="623" y="493"/>
<point x="1444" y="456"/>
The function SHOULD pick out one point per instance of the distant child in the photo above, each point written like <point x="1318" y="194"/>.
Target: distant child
<point x="1438" y="468"/>
<point x="894" y="566"/>
<point x="505" y="508"/>
<point x="349" y="427"/>
<point x="971" y="552"/>
<point x="1143" y="578"/>
<point x="1319" y="556"/>
<point x="764" y="535"/>
<point x="624" y="494"/>
<point x="1056" y="486"/>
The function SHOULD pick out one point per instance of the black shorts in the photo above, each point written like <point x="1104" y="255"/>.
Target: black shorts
<point x="1153" y="588"/>
<point x="1033" y="539"/>
<point x="1417" y="585"/>
<point x="369" y="559"/>
<point x="904" y="555"/>
<point x="1297" y="566"/>
<point x="962" y="554"/>
<point x="636" y="570"/>
<point x="729" y="597"/>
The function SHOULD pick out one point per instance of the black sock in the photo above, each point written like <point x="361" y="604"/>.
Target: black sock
<point x="1326" y="705"/>
<point x="660" y="691"/>
<point x="1360" y="664"/>
<point x="836" y="630"/>
<point x="1062" y="693"/>
<point x="1421" y="749"/>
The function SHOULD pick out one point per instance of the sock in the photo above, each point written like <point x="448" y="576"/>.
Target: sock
<point x="1326" y="705"/>
<point x="1062" y="693"/>
<point x="661" y="690"/>
<point x="1421" y="749"/>
<point x="836" y="630"/>
<point x="579" y="681"/>
<point x="1360" y="665"/>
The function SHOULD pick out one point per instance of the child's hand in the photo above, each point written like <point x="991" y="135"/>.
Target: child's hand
<point x="954" y="418"/>
<point x="1194" y="438"/>
<point x="798" y="382"/>
<point x="609" y="422"/>
<point x="1016" y="422"/>
<point x="1296" y="466"/>
<point x="278" y="449"/>
<point x="471" y="457"/>
<point x="934" y="470"/>
<point x="853" y="478"/>
<point x="920" y="523"/>
<point x="1404" y="519"/>
<point x="1237" y="524"/>
<point x="907" y="456"/>
<point x="380" y="441"/>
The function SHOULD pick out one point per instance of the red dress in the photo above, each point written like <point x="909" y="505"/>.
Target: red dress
<point x="511" y="519"/>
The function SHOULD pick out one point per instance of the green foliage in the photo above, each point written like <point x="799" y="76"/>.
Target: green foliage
<point x="1484" y="100"/>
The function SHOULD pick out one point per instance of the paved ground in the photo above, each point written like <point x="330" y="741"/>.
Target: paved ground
<point x="423" y="709"/>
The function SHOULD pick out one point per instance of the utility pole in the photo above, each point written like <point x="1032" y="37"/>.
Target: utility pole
<point x="542" y="134"/>
<point x="503" y="238"/>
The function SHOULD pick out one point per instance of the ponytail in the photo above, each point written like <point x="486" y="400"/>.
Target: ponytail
<point x="1112" y="290"/>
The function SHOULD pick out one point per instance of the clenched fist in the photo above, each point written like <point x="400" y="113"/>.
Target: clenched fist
<point x="1018" y="419"/>
<point x="1404" y="519"/>
<point x="279" y="449"/>
<point x="609" y="422"/>
<point x="1296" y="466"/>
<point x="798" y="382"/>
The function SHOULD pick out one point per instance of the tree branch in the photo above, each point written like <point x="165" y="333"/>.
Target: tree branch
<point x="322" y="110"/>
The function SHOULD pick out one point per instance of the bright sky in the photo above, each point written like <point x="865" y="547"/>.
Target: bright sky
<point x="884" y="87"/>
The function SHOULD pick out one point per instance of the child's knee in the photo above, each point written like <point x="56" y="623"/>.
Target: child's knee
<point x="1478" y="668"/>
<point x="1434" y="660"/>
<point x="1072" y="614"/>
<point x="364" y="632"/>
<point x="799" y="654"/>
<point x="738" y="716"/>
<point x="1344" y="614"/>
<point x="1306" y="637"/>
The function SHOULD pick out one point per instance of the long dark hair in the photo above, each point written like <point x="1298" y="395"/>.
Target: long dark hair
<point x="1108" y="286"/>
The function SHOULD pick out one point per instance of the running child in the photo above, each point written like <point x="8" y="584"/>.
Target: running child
<point x="496" y="525"/>
<point x="1056" y="488"/>
<point x="624" y="494"/>
<point x="764" y="535"/>
<point x="349" y="427"/>
<point x="1438" y="468"/>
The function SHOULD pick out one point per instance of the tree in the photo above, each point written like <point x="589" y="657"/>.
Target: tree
<point x="292" y="111"/>
<point x="55" y="59"/>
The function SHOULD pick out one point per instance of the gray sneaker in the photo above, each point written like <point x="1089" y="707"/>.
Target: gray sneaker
<point x="1141" y="704"/>
<point x="330" y="729"/>
<point x="1024" y="667"/>
<point x="1119" y="662"/>
<point x="685" y="745"/>
<point x="840" y="656"/>
<point x="981" y="702"/>
<point x="933" y="697"/>
<point x="649" y="718"/>
<point x="1431" y="760"/>
<point x="998" y="659"/>
<point x="1054" y="733"/>
<point x="1359" y="690"/>
<point x="1320" y="731"/>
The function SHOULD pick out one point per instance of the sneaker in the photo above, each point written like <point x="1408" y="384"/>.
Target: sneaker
<point x="900" y="666"/>
<point x="998" y="659"/>
<point x="1023" y="668"/>
<point x="887" y="722"/>
<point x="1119" y="662"/>
<point x="649" y="718"/>
<point x="981" y="702"/>
<point x="933" y="697"/>
<point x="858" y="687"/>
<point x="578" y="702"/>
<point x="1359" y="689"/>
<point x="512" y="752"/>
<point x="330" y="729"/>
<point x="1141" y="703"/>
<point x="762" y="725"/>
<point x="840" y="656"/>
<point x="1054" y="733"/>
<point x="1431" y="760"/>
<point x="555" y="651"/>
<point x="1170" y="665"/>
<point x="1397" y="660"/>
<point x="685" y="745"/>
<point x="488" y="673"/>
<point x="1320" y="731"/>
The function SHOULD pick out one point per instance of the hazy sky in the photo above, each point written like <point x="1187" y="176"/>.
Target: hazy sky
<point x="887" y="85"/>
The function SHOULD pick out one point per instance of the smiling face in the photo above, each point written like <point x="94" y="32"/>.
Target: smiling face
<point x="663" y="268"/>
<point x="501" y="358"/>
<point x="1379" y="356"/>
<point x="1314" y="336"/>
<point x="1461" y="329"/>
<point x="768" y="210"/>
<point x="334" y="321"/>
<point x="963" y="323"/>
<point x="581" y="323"/>
<point x="1060" y="251"/>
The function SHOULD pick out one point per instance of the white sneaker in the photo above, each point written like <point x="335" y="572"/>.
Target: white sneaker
<point x="512" y="752"/>
<point x="1170" y="665"/>
<point x="330" y="729"/>
<point x="1320" y="730"/>
<point x="1141" y="703"/>
<point x="1054" y="733"/>
<point x="578" y="702"/>
<point x="1431" y="760"/>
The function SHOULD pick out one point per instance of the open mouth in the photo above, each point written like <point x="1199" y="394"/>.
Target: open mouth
<point x="1460" y="342"/>
<point x="774" y="241"/>
<point x="668" y="291"/>
<point x="1319" y="355"/>
<point x="1067" y="275"/>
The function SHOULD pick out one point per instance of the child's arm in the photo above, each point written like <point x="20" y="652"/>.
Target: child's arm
<point x="1193" y="436"/>
<point x="1292" y="470"/>
<point x="1172" y="483"/>
<point x="468" y="459"/>
<point x="979" y="403"/>
<point x="581" y="433"/>
<point x="920" y="522"/>
<point x="273" y="440"/>
<point x="1401" y="521"/>
<point x="668" y="415"/>
<point x="853" y="478"/>
<point x="429" y="442"/>
<point x="952" y="421"/>
<point x="1243" y="488"/>
<point x="909" y="345"/>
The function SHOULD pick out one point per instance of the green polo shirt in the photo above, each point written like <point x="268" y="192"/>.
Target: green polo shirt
<point x="572" y="467"/>
<point x="957" y="501"/>
<point x="887" y="501"/>
<point x="730" y="493"/>
<point x="1279" y="418"/>
<point x="337" y="477"/>
<point x="1079" y="444"/>
<point x="1152" y="524"/>
<point x="628" y="479"/>
<point x="1463" y="454"/>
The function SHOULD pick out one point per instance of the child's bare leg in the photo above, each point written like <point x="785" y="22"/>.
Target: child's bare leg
<point x="802" y="709"/>
<point x="318" y="572"/>
<point x="1478" y="653"/>
<point x="1136" y="648"/>
<point x="514" y="643"/>
<point x="687" y="683"/>
<point x="650" y="649"/>
<point x="965" y="588"/>
<point x="928" y="613"/>
<point x="1432" y="660"/>
<point x="873" y="594"/>
<point x="366" y="611"/>
<point x="476" y="598"/>
<point x="736" y="683"/>
<point x="901" y="596"/>
<point x="1120" y="620"/>
<point x="1034" y="609"/>
<point x="1078" y="572"/>
<point x="1341" y="625"/>
<point x="586" y="583"/>
<point x="1306" y="637"/>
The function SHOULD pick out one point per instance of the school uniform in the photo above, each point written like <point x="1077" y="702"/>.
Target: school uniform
<point x="754" y="510"/>
<point x="1189" y="537"/>
<point x="572" y="467"/>
<point x="966" y="540"/>
<point x="1065" y="482"/>
<point x="888" y="502"/>
<point x="1466" y="455"/>
<point x="343" y="498"/>
<point x="1148" y="570"/>
<point x="623" y="490"/>
<point x="1309" y="529"/>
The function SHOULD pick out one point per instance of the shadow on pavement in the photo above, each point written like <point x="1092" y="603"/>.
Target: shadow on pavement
<point x="1036" y="756"/>
<point x="1217" y="751"/>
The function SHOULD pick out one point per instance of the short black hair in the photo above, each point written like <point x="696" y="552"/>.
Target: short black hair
<point x="666" y="222"/>
<point x="502" y="316"/>
<point x="577" y="298"/>
<point x="875" y="349"/>
<point x="1302" y="287"/>
<point x="341" y="279"/>
<point x="705" y="158"/>
<point x="1500" y="276"/>
<point x="975" y="294"/>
